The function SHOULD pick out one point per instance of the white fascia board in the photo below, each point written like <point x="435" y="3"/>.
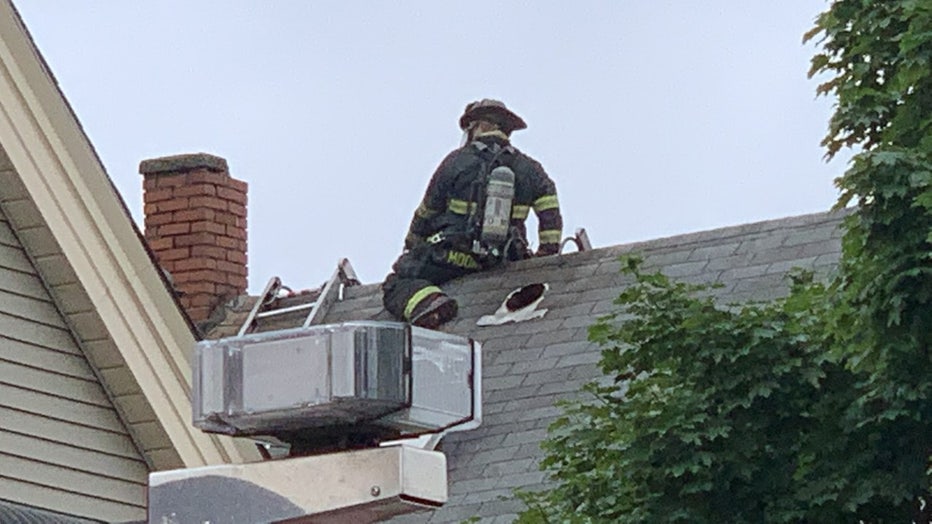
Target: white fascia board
<point x="365" y="485"/>
<point x="69" y="186"/>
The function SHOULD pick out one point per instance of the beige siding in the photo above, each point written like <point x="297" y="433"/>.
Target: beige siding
<point x="62" y="445"/>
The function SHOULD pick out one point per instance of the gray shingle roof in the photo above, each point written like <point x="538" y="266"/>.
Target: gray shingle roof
<point x="528" y="366"/>
<point x="11" y="513"/>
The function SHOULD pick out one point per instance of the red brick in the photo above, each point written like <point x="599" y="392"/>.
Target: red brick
<point x="232" y="244"/>
<point x="228" y="243"/>
<point x="218" y="277"/>
<point x="237" y="209"/>
<point x="238" y="185"/>
<point x="149" y="183"/>
<point x="240" y="222"/>
<point x="158" y="195"/>
<point x="230" y="278"/>
<point x="193" y="264"/>
<point x="170" y="180"/>
<point x="236" y="232"/>
<point x="232" y="268"/>
<point x="150" y="209"/>
<point x="209" y="251"/>
<point x="209" y="226"/>
<point x="203" y="176"/>
<point x="173" y="205"/>
<point x="174" y="229"/>
<point x="226" y="219"/>
<point x="160" y="244"/>
<point x="177" y="253"/>
<point x="200" y="287"/>
<point x="237" y="281"/>
<point x="236" y="257"/>
<point x="210" y="202"/>
<point x="196" y="190"/>
<point x="194" y="239"/>
<point x="200" y="275"/>
<point x="158" y="219"/>
<point x="193" y="215"/>
<point x="232" y="195"/>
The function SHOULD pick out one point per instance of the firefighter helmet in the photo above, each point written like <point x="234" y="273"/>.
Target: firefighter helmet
<point x="493" y="111"/>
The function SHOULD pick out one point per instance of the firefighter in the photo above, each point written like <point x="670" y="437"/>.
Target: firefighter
<point x="472" y="216"/>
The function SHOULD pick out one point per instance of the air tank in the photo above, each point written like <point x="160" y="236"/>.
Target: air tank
<point x="496" y="217"/>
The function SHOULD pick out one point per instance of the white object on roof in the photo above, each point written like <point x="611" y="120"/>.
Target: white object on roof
<point x="520" y="305"/>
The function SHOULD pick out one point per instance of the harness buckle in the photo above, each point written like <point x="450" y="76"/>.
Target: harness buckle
<point x="483" y="250"/>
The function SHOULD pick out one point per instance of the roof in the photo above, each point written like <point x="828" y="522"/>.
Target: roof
<point x="17" y="514"/>
<point x="529" y="366"/>
<point x="91" y="257"/>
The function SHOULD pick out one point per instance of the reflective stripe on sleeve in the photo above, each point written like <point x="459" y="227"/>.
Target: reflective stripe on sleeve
<point x="460" y="207"/>
<point x="546" y="202"/>
<point x="520" y="212"/>
<point x="423" y="211"/>
<point x="549" y="236"/>
<point x="416" y="299"/>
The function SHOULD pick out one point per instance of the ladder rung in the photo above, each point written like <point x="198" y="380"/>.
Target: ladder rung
<point x="284" y="310"/>
<point x="330" y="292"/>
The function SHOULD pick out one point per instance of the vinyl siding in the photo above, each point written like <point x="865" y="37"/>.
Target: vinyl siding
<point x="63" y="447"/>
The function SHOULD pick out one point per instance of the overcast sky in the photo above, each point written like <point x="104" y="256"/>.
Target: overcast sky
<point x="654" y="117"/>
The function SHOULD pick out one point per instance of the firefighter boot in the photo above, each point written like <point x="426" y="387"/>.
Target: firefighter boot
<point x="434" y="311"/>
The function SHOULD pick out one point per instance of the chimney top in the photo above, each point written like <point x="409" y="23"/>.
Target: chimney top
<point x="183" y="163"/>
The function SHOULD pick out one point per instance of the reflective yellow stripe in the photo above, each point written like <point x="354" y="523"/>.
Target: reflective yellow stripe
<point x="464" y="260"/>
<point x="460" y="207"/>
<point x="520" y="212"/>
<point x="417" y="298"/>
<point x="424" y="212"/>
<point x="546" y="202"/>
<point x="549" y="236"/>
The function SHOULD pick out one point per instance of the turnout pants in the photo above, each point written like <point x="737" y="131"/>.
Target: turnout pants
<point x="417" y="274"/>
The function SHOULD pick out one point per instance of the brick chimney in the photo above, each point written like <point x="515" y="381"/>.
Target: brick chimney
<point x="196" y="226"/>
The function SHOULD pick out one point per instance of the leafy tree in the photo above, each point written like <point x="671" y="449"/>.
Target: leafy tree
<point x="702" y="418"/>
<point x="879" y="58"/>
<point x="813" y="408"/>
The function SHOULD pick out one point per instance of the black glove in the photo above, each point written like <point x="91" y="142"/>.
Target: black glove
<point x="547" y="250"/>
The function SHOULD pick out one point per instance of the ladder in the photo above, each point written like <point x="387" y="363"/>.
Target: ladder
<point x="332" y="290"/>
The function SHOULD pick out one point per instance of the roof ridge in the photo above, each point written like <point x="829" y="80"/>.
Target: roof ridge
<point x="722" y="234"/>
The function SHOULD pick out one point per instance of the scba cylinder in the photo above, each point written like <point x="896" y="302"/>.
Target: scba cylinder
<point x="500" y="194"/>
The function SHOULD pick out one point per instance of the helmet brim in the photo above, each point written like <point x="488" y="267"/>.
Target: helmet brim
<point x="505" y="119"/>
